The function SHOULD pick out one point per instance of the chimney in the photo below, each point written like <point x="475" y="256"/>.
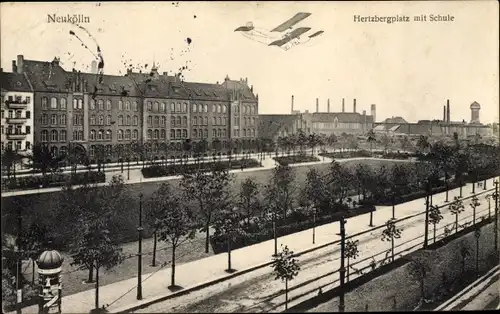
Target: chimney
<point x="166" y="74"/>
<point x="14" y="66"/>
<point x="20" y="64"/>
<point x="93" y="67"/>
<point x="343" y="105"/>
<point x="354" y="105"/>
<point x="364" y="112"/>
<point x="373" y="111"/>
<point x="444" y="114"/>
<point x="317" y="104"/>
<point x="448" y="118"/>
<point x="251" y="88"/>
<point x="328" y="105"/>
<point x="292" y="104"/>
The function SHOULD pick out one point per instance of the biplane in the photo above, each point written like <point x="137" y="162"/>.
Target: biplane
<point x="292" y="36"/>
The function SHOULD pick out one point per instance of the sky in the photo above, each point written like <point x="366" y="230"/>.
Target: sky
<point x="407" y="69"/>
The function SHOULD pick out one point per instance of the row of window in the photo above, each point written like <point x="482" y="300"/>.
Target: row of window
<point x="246" y="109"/>
<point x="61" y="105"/>
<point x="203" y="133"/>
<point x="17" y="130"/>
<point x="245" y="133"/>
<point x="204" y="121"/>
<point x="18" y="115"/>
<point x="18" y="145"/>
<point x="54" y="119"/>
<point x="55" y="136"/>
<point x="19" y="99"/>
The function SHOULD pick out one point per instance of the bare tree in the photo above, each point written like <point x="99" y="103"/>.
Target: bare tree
<point x="285" y="268"/>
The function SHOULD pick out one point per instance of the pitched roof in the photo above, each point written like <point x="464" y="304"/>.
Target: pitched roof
<point x="270" y="124"/>
<point x="341" y="116"/>
<point x="206" y="91"/>
<point x="46" y="76"/>
<point x="151" y="84"/>
<point x="241" y="87"/>
<point x="398" y="120"/>
<point x="14" y="82"/>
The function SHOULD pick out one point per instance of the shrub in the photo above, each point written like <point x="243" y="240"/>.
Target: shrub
<point x="162" y="171"/>
<point x="295" y="159"/>
<point x="51" y="180"/>
<point x="340" y="155"/>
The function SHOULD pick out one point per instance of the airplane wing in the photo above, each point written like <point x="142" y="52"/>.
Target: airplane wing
<point x="292" y="35"/>
<point x="316" y="34"/>
<point x="291" y="22"/>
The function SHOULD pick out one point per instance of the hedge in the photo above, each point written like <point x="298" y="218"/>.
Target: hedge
<point x="52" y="180"/>
<point x="162" y="171"/>
<point x="219" y="243"/>
<point x="295" y="159"/>
<point x="340" y="155"/>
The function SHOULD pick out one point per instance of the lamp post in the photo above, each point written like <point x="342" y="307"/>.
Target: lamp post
<point x="342" y="269"/>
<point x="496" y="215"/>
<point x="139" y="254"/>
<point x="427" y="203"/>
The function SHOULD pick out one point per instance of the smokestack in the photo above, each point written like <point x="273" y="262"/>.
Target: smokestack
<point x="328" y="105"/>
<point x="448" y="119"/>
<point x="343" y="105"/>
<point x="317" y="104"/>
<point x="292" y="104"/>
<point x="93" y="67"/>
<point x="354" y="105"/>
<point x="373" y="111"/>
<point x="14" y="66"/>
<point x="20" y="64"/>
<point x="444" y="114"/>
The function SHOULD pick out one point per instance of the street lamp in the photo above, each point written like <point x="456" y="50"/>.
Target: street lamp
<point x="342" y="269"/>
<point x="139" y="255"/>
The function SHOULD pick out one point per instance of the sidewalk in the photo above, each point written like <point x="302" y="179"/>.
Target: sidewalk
<point x="210" y="268"/>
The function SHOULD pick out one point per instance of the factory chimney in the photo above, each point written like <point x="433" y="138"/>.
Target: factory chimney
<point x="448" y="118"/>
<point x="317" y="104"/>
<point x="292" y="105"/>
<point x="373" y="111"/>
<point x="354" y="105"/>
<point x="328" y="105"/>
<point x="343" y="105"/>
<point x="444" y="114"/>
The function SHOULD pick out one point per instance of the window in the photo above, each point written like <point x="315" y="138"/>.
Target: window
<point x="200" y="108"/>
<point x="156" y="121"/>
<point x="172" y="133"/>
<point x="219" y="132"/>
<point x="108" y="104"/>
<point x="75" y="135"/>
<point x="120" y="120"/>
<point x="63" y="150"/>
<point x="178" y="107"/>
<point x="163" y="107"/>
<point x="178" y="121"/>
<point x="219" y="109"/>
<point x="101" y="120"/>
<point x="100" y="103"/>
<point x="253" y="121"/>
<point x="184" y="121"/>
<point x="53" y="103"/>
<point x="178" y="133"/>
<point x="224" y="108"/>
<point x="172" y="121"/>
<point x="92" y="104"/>
<point x="80" y="103"/>
<point x="224" y="132"/>
<point x="108" y="135"/>
<point x="156" y="134"/>
<point x="150" y="121"/>
<point x="127" y="122"/>
<point x="92" y="135"/>
<point x="163" y="121"/>
<point x="184" y="133"/>
<point x="62" y="103"/>
<point x="19" y="130"/>
<point x="135" y="134"/>
<point x="53" y="119"/>
<point x="18" y="114"/>
<point x="150" y="106"/>
<point x="28" y="100"/>
<point x="195" y="121"/>
<point x="194" y="107"/>
<point x="163" y="134"/>
<point x="205" y="121"/>
<point x="92" y="150"/>
<point x="62" y="136"/>
<point x="127" y="105"/>
<point x="75" y="104"/>
<point x="120" y="135"/>
<point x="11" y="114"/>
<point x="120" y="105"/>
<point x="53" y="150"/>
<point x="45" y="135"/>
<point x="134" y="106"/>
<point x="172" y="107"/>
<point x="214" y="133"/>
<point x="136" y="120"/>
<point x="150" y="134"/>
<point x="205" y="133"/>
<point x="108" y="120"/>
<point x="127" y="134"/>
<point x="195" y="133"/>
<point x="28" y="145"/>
<point x="92" y="120"/>
<point x="214" y="108"/>
<point x="205" y="108"/>
<point x="54" y="136"/>
<point x="219" y="121"/>
<point x="100" y="135"/>
<point x="156" y="106"/>
<point x="62" y="119"/>
<point x="184" y="107"/>
<point x="245" y="121"/>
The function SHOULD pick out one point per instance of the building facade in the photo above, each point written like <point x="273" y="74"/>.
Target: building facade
<point x="17" y="120"/>
<point x="98" y="114"/>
